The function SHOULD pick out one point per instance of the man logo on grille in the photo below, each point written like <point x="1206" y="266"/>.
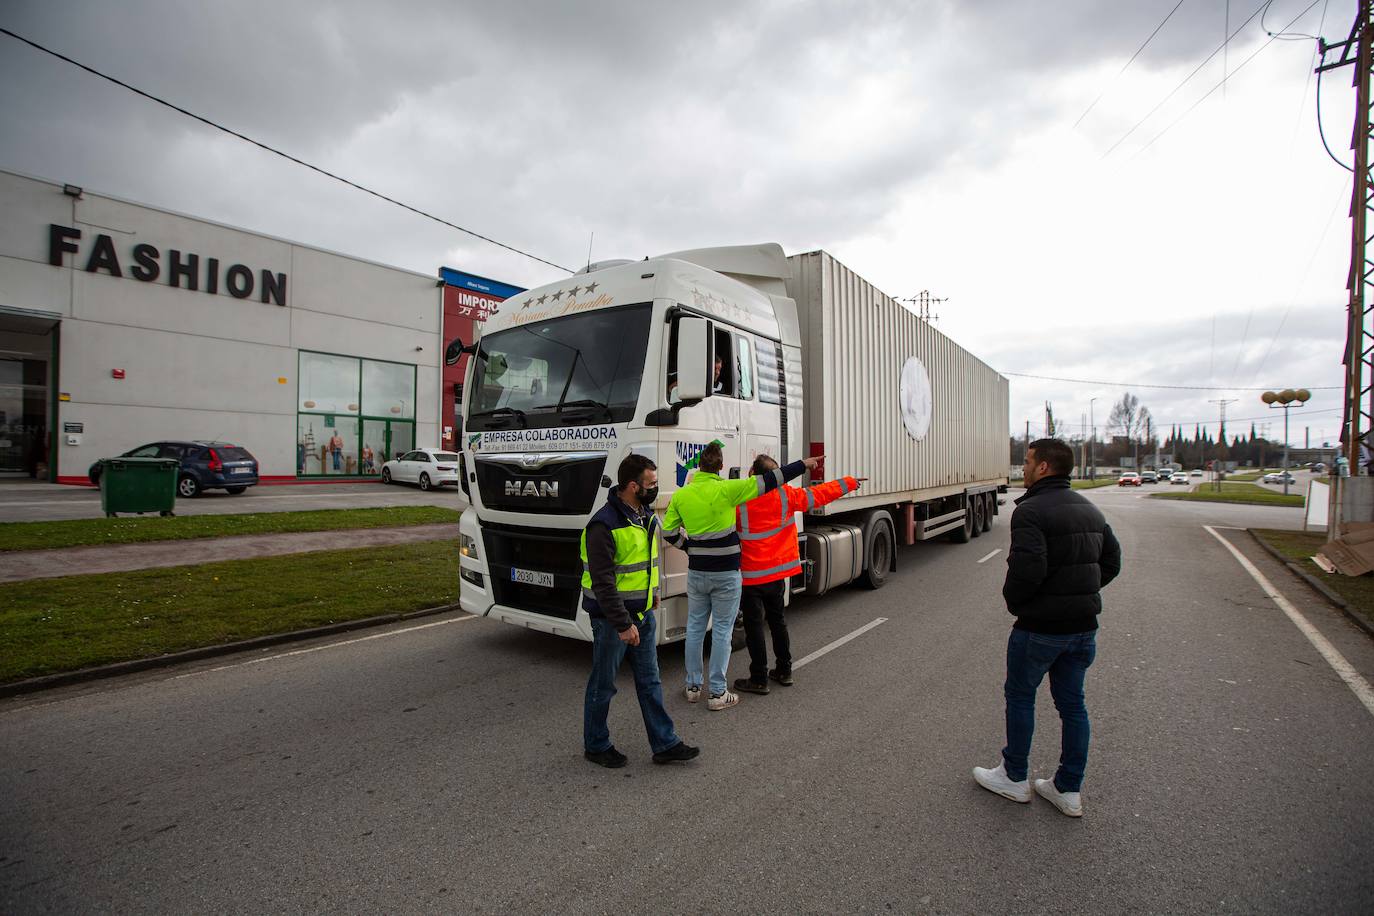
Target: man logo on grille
<point x="538" y="488"/>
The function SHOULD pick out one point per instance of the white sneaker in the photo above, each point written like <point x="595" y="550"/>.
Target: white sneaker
<point x="724" y="701"/>
<point x="997" y="781"/>
<point x="1070" y="803"/>
<point x="692" y="693"/>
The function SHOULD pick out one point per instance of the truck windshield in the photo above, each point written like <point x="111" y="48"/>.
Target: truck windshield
<point x="566" y="371"/>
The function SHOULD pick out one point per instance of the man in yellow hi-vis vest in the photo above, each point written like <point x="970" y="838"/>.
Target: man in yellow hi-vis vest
<point x="620" y="590"/>
<point x="701" y="520"/>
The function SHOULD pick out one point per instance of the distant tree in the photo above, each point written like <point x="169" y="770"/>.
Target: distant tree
<point x="1129" y="417"/>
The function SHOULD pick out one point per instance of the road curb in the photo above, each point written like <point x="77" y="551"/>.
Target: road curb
<point x="49" y="681"/>
<point x="1317" y="585"/>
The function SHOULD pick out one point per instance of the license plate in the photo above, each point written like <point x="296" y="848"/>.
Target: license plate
<point x="530" y="577"/>
<point x="242" y="471"/>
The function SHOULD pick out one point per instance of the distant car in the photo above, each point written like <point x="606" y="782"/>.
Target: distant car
<point x="426" y="467"/>
<point x="1149" y="477"/>
<point x="1279" y="477"/>
<point x="1179" y="480"/>
<point x="1165" y="473"/>
<point x="1319" y="468"/>
<point x="1128" y="479"/>
<point x="1195" y="472"/>
<point x="204" y="466"/>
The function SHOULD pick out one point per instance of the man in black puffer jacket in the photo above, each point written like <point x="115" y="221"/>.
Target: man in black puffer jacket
<point x="1062" y="553"/>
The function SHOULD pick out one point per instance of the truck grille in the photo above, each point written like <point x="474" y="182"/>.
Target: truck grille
<point x="541" y="550"/>
<point x="559" y="486"/>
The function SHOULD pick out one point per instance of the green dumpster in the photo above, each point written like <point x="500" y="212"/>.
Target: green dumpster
<point x="138" y="485"/>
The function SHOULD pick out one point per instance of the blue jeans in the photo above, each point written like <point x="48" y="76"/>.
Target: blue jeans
<point x="1066" y="659"/>
<point x="714" y="596"/>
<point x="608" y="650"/>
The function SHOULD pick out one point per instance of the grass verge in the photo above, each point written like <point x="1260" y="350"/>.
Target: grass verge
<point x="1092" y="484"/>
<point x="87" y="532"/>
<point x="1301" y="546"/>
<point x="55" y="625"/>
<point x="1235" y="493"/>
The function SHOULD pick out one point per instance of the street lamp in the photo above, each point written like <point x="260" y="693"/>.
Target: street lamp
<point x="1283" y="400"/>
<point x="1092" y="442"/>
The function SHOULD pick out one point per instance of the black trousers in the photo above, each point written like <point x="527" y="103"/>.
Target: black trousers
<point x="763" y="603"/>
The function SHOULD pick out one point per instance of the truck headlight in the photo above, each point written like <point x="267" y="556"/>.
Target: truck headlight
<point x="467" y="546"/>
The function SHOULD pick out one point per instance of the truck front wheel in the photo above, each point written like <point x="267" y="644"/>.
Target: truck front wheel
<point x="736" y="637"/>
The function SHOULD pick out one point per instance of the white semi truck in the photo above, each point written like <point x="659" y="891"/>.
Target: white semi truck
<point x="569" y="378"/>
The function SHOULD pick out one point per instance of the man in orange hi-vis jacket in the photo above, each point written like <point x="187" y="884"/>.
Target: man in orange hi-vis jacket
<point x="768" y="557"/>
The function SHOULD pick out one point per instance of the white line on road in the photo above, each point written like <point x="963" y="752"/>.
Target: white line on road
<point x="1329" y="652"/>
<point x="991" y="555"/>
<point x="839" y="642"/>
<point x="332" y="645"/>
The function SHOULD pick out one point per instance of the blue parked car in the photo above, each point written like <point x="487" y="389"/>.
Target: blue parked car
<point x="204" y="466"/>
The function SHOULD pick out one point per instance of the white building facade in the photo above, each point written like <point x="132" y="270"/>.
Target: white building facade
<point x="122" y="325"/>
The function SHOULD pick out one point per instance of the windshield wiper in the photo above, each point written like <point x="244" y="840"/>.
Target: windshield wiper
<point x="586" y="403"/>
<point x="513" y="412"/>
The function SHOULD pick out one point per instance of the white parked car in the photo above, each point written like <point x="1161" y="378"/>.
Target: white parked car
<point x="1278" y="477"/>
<point x="427" y="467"/>
<point x="1195" y="472"/>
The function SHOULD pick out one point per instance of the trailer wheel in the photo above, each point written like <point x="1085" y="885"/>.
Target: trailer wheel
<point x="989" y="510"/>
<point x="979" y="511"/>
<point x="878" y="555"/>
<point x="964" y="533"/>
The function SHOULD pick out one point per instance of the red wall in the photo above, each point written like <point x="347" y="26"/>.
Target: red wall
<point x="463" y="308"/>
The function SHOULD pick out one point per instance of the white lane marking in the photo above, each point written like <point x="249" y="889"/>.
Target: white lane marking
<point x="839" y="642"/>
<point x="332" y="645"/>
<point x="991" y="555"/>
<point x="1333" y="657"/>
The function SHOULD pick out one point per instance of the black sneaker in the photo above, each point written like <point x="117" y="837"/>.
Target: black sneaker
<point x="748" y="685"/>
<point x="678" y="753"/>
<point x="610" y="758"/>
<point x="782" y="677"/>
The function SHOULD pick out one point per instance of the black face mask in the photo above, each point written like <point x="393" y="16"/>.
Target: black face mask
<point x="647" y="497"/>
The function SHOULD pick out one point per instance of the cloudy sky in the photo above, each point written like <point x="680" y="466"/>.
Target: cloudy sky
<point x="1178" y="234"/>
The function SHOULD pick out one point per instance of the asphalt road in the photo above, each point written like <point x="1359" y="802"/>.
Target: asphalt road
<point x="26" y="501"/>
<point x="439" y="768"/>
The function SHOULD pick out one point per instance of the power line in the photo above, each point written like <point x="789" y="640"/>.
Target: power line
<point x="277" y="152"/>
<point x="1128" y="63"/>
<point x="1085" y="381"/>
<point x="1286" y="35"/>
<point x="1219" y="85"/>
<point x="1212" y="421"/>
<point x="1297" y="125"/>
<point x="1321" y="131"/>
<point x="1174" y="91"/>
<point x="1303" y="279"/>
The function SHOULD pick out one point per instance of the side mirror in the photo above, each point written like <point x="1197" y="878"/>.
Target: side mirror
<point x="454" y="352"/>
<point x="693" y="358"/>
